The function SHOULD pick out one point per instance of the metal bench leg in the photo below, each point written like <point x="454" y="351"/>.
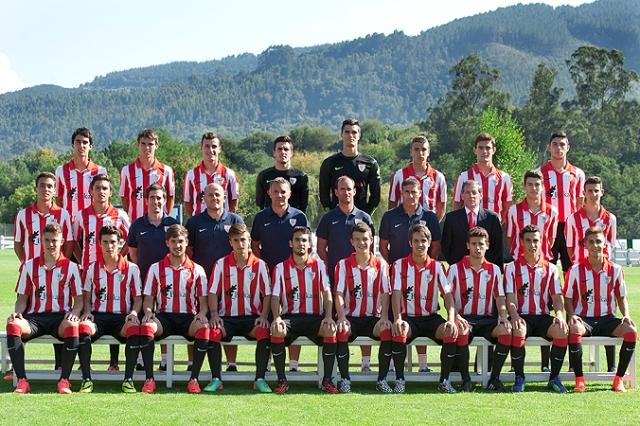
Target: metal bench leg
<point x="320" y="367"/>
<point x="484" y="356"/>
<point x="4" y="355"/>
<point x="409" y="363"/>
<point x="170" y="366"/>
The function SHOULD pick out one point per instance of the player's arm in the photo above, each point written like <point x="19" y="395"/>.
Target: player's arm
<point x="516" y="321"/>
<point x="322" y="249"/>
<point x="385" y="301"/>
<point x="76" y="310"/>
<point x="458" y="205"/>
<point x="147" y="308"/>
<point x="133" y="254"/>
<point x="136" y="307"/>
<point x="324" y="184"/>
<point x="19" y="250"/>
<point x="623" y="305"/>
<point x="170" y="202"/>
<point x="327" y="305"/>
<point x="212" y="302"/>
<point x="233" y="205"/>
<point x="125" y="203"/>
<point x="86" y="308"/>
<point x="20" y="306"/>
<point x="374" y="187"/>
<point x="503" y="313"/>
<point x="188" y="208"/>
<point x="201" y="316"/>
<point x="441" y="208"/>
<point x="435" y="249"/>
<point x="556" y="301"/>
<point x="255" y="248"/>
<point x="509" y="241"/>
<point x="340" y="315"/>
<point x="384" y="249"/>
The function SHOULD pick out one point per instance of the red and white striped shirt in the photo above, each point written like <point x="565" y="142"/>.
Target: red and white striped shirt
<point x="433" y="183"/>
<point x="361" y="287"/>
<point x="496" y="188"/>
<point x="176" y="290"/>
<point x="579" y="222"/>
<point x="134" y="180"/>
<point x="49" y="290"/>
<point x="546" y="219"/>
<point x="112" y="292"/>
<point x="474" y="292"/>
<point x="532" y="286"/>
<point x="240" y="291"/>
<point x="594" y="293"/>
<point x="300" y="290"/>
<point x="30" y="223"/>
<point x="419" y="285"/>
<point x="196" y="179"/>
<point x="73" y="184"/>
<point x="563" y="188"/>
<point x="87" y="226"/>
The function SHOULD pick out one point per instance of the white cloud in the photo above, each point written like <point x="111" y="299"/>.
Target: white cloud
<point x="9" y="79"/>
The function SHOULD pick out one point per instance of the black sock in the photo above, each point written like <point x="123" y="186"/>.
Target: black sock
<point x="626" y="350"/>
<point x="611" y="356"/>
<point x="214" y="355"/>
<point x="68" y="356"/>
<point x="545" y="356"/>
<point x="131" y="350"/>
<point x="343" y="359"/>
<point x="147" y="347"/>
<point x="447" y="359"/>
<point x="263" y="348"/>
<point x="200" y="349"/>
<point x="399" y="354"/>
<point x="57" y="354"/>
<point x="517" y="360"/>
<point x="84" y="355"/>
<point x="279" y="358"/>
<point x="499" y="357"/>
<point x="16" y="353"/>
<point x="462" y="359"/>
<point x="328" y="358"/>
<point x="114" y="352"/>
<point x="384" y="359"/>
<point x="575" y="355"/>
<point x="557" y="358"/>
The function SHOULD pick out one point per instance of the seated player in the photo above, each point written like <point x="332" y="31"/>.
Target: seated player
<point x="417" y="279"/>
<point x="112" y="300"/>
<point x="594" y="289"/>
<point x="301" y="305"/>
<point x="49" y="303"/>
<point x="531" y="283"/>
<point x="362" y="304"/>
<point x="477" y="289"/>
<point x="239" y="305"/>
<point x="178" y="286"/>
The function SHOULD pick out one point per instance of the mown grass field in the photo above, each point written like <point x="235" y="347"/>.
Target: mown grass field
<point x="238" y="404"/>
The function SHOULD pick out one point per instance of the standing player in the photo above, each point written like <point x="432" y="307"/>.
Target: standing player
<point x="112" y="300"/>
<point x="393" y="234"/>
<point x="178" y="288"/>
<point x="210" y="170"/>
<point x="531" y="284"/>
<point x="564" y="188"/>
<point x="417" y="279"/>
<point x="433" y="186"/>
<point x="362" y="299"/>
<point x="145" y="170"/>
<point x="477" y="290"/>
<point x="362" y="169"/>
<point x="594" y="289"/>
<point x="301" y="305"/>
<point x="74" y="178"/>
<point x="49" y="303"/>
<point x="497" y="189"/>
<point x="282" y="153"/>
<point x="238" y="299"/>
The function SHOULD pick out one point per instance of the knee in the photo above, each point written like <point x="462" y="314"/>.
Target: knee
<point x="86" y="327"/>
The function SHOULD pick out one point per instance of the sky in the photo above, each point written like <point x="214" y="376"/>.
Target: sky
<point x="70" y="42"/>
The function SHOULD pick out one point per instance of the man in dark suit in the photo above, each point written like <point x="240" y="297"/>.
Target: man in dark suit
<point x="458" y="222"/>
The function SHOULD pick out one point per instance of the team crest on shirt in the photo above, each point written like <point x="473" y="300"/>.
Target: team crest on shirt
<point x="468" y="293"/>
<point x="232" y="292"/>
<point x="41" y="292"/>
<point x="293" y="180"/>
<point x="356" y="291"/>
<point x="226" y="228"/>
<point x="524" y="290"/>
<point x="362" y="167"/>
<point x="552" y="192"/>
<point x="293" y="222"/>
<point x="168" y="290"/>
<point x="428" y="182"/>
<point x="35" y="237"/>
<point x="588" y="296"/>
<point x="252" y="275"/>
<point x="91" y="238"/>
<point x="293" y="294"/>
<point x="218" y="180"/>
<point x="604" y="277"/>
<point x="73" y="194"/>
<point x="138" y="193"/>
<point x="102" y="294"/>
<point x="408" y="293"/>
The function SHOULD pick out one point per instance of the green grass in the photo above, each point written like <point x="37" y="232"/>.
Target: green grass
<point x="238" y="404"/>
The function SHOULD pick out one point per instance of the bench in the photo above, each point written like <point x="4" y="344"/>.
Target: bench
<point x="594" y="372"/>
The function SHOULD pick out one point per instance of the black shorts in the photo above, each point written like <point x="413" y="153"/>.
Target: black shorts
<point x="108" y="324"/>
<point x="175" y="325"/>
<point x="362" y="326"/>
<point x="601" y="326"/>
<point x="303" y="325"/>
<point x="424" y="326"/>
<point x="44" y="324"/>
<point x="239" y="326"/>
<point x="538" y="325"/>
<point x="482" y="326"/>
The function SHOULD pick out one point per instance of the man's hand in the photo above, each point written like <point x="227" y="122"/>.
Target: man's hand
<point x="278" y="326"/>
<point x="329" y="323"/>
<point x="261" y="322"/>
<point x="562" y="323"/>
<point x="216" y="322"/>
<point x="399" y="328"/>
<point x="201" y="317"/>
<point x="70" y="316"/>
<point x="132" y="318"/>
<point x="451" y="329"/>
<point x="14" y="316"/>
<point x="343" y="325"/>
<point x="148" y="317"/>
<point x="87" y="317"/>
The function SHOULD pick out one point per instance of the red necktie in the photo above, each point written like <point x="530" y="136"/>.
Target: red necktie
<point x="472" y="220"/>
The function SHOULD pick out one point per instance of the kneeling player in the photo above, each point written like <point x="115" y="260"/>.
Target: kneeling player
<point x="112" y="300"/>
<point x="49" y="303"/>
<point x="301" y="304"/>
<point x="477" y="289"/>
<point x="239" y="305"/>
<point x="594" y="288"/>
<point x="362" y="304"/>
<point x="531" y="282"/>
<point x="178" y="286"/>
<point x="417" y="279"/>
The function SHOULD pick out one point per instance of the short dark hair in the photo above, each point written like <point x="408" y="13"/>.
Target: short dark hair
<point x="279" y="181"/>
<point x="47" y="175"/>
<point x="83" y="131"/>
<point x="300" y="230"/>
<point x="478" y="232"/>
<point x="592" y="230"/>
<point x="148" y="134"/>
<point x="154" y="187"/>
<point x="593" y="180"/>
<point x="484" y="137"/>
<point x="410" y="181"/>
<point x="418" y="227"/>
<point x="419" y="139"/>
<point x="533" y="173"/>
<point x="559" y="134"/>
<point x="238" y="229"/>
<point x="349" y="122"/>
<point x="282" y="139"/>
<point x="529" y="229"/>
<point x="176" y="231"/>
<point x="98" y="178"/>
<point x="110" y="230"/>
<point x="361" y="227"/>
<point x="471" y="182"/>
<point x="52" y="228"/>
<point x="208" y="136"/>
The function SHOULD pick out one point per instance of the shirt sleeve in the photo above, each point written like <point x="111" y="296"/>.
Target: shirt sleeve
<point x="169" y="182"/>
<point x="396" y="275"/>
<point x="457" y="191"/>
<point x="67" y="230"/>
<point x="443" y="283"/>
<point x="256" y="226"/>
<point x="441" y="195"/>
<point x="374" y="187"/>
<point x="60" y="184"/>
<point x="340" y="277"/>
<point x="572" y="278"/>
<point x="187" y="191"/>
<point x="394" y="187"/>
<point x="88" y="279"/>
<point x="554" y="281"/>
<point x="498" y="282"/>
<point x="304" y="192"/>
<point x="324" y="183"/>
<point x="323" y="228"/>
<point x="125" y="190"/>
<point x="201" y="281"/>
<point x="570" y="231"/>
<point x="215" y="282"/>
<point x="277" y="279"/>
<point x="233" y="187"/>
<point x="135" y="282"/>
<point x="508" y="187"/>
<point x="620" y="289"/>
<point x="509" y="270"/>
<point x="151" y="283"/>
<point x="23" y="278"/>
<point x="511" y="221"/>
<point x="434" y="226"/>
<point x="384" y="277"/>
<point x="260" y="193"/>
<point x="19" y="230"/>
<point x="75" y="282"/>
<point x="265" y="282"/>
<point x="324" y="278"/>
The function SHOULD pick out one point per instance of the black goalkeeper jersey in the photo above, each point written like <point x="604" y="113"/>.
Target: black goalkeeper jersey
<point x="299" y="187"/>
